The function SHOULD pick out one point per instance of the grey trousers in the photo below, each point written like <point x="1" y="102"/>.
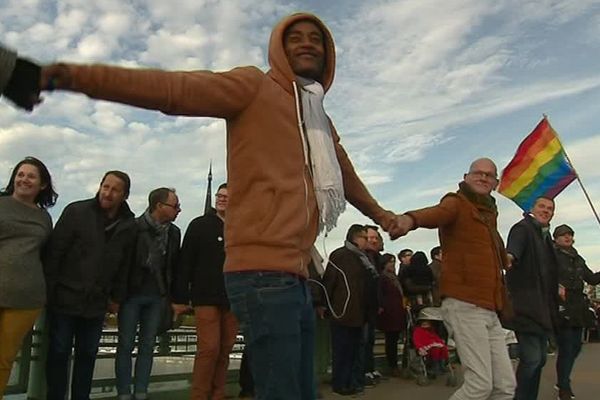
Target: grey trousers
<point x="481" y="346"/>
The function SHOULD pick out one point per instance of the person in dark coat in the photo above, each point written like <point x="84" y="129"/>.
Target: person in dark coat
<point x="404" y="257"/>
<point x="417" y="280"/>
<point x="201" y="281"/>
<point x="573" y="305"/>
<point x="344" y="280"/>
<point x="86" y="271"/>
<point x="151" y="274"/>
<point x="392" y="318"/>
<point x="532" y="282"/>
<point x="436" y="269"/>
<point x="373" y="250"/>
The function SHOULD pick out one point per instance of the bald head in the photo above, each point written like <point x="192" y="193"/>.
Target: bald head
<point x="485" y="162"/>
<point x="482" y="177"/>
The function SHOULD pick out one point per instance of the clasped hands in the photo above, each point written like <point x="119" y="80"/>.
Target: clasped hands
<point x="399" y="225"/>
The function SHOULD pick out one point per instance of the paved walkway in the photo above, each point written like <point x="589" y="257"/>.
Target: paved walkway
<point x="585" y="382"/>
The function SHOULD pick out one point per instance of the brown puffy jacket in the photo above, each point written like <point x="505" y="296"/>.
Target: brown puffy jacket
<point x="474" y="253"/>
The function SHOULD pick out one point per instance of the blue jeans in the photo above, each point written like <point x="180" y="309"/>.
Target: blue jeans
<point x="276" y="316"/>
<point x="532" y="358"/>
<point x="145" y="311"/>
<point x="360" y="361"/>
<point x="63" y="329"/>
<point x="569" y="346"/>
<point x="345" y="345"/>
<point x="369" y="360"/>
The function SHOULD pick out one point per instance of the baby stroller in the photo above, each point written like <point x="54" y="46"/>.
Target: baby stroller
<point x="415" y="365"/>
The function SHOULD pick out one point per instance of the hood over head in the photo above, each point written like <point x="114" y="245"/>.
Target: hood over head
<point x="281" y="70"/>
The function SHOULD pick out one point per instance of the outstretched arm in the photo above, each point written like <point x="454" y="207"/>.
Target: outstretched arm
<point x="193" y="93"/>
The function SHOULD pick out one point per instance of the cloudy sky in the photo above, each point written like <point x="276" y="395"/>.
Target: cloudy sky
<point x="422" y="88"/>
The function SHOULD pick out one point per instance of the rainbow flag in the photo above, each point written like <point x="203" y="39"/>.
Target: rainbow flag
<point x="539" y="168"/>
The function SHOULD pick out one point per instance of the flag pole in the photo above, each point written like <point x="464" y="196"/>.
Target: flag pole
<point x="585" y="192"/>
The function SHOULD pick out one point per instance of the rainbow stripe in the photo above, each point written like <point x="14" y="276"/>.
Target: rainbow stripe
<point x="539" y="168"/>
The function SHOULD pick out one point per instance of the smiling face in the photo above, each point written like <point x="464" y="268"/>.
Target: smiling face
<point x="303" y="44"/>
<point x="543" y="210"/>
<point x="222" y="199"/>
<point x="28" y="183"/>
<point x="372" y="240"/>
<point x="482" y="177"/>
<point x="112" y="193"/>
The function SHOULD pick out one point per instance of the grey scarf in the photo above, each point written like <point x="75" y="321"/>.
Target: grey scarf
<point x="160" y="235"/>
<point x="363" y="258"/>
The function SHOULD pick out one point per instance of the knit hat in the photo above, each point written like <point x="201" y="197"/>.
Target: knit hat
<point x="561" y="230"/>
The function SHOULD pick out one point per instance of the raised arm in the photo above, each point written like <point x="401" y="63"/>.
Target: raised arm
<point x="194" y="93"/>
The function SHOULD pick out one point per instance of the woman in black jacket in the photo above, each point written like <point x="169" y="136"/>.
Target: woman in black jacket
<point x="573" y="305"/>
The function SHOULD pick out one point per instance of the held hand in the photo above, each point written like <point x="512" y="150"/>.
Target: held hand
<point x="320" y="312"/>
<point x="113" y="307"/>
<point x="180" y="308"/>
<point x="55" y="76"/>
<point x="511" y="260"/>
<point x="562" y="292"/>
<point x="401" y="226"/>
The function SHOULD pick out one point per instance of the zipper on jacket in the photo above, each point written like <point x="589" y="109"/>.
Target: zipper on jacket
<point x="306" y="160"/>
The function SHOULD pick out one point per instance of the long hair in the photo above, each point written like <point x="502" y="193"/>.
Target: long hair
<point x="47" y="196"/>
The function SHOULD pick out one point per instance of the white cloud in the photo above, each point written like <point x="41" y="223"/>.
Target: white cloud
<point x="418" y="86"/>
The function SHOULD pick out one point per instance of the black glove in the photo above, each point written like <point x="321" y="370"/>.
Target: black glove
<point x="23" y="87"/>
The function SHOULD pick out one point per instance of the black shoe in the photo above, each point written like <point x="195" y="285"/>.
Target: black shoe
<point x="370" y="380"/>
<point x="564" y="395"/>
<point x="245" y="395"/>
<point x="344" y="392"/>
<point x="569" y="391"/>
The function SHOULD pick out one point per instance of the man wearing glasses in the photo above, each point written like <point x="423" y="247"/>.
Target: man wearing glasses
<point x="344" y="279"/>
<point x="472" y="286"/>
<point x="154" y="262"/>
<point x="200" y="282"/>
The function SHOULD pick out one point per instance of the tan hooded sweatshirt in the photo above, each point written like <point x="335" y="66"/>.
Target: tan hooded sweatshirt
<point x="272" y="215"/>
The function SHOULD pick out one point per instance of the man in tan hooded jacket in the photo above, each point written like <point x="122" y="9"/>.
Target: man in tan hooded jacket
<point x="275" y="209"/>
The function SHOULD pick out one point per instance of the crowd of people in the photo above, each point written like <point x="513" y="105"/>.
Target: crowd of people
<point x="254" y="266"/>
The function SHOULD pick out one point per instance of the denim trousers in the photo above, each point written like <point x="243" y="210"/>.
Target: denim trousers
<point x="569" y="346"/>
<point x="322" y="359"/>
<point x="276" y="316"/>
<point x="533" y="348"/>
<point x="144" y="311"/>
<point x="369" y="360"/>
<point x="345" y="345"/>
<point x="63" y="331"/>
<point x="481" y="346"/>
